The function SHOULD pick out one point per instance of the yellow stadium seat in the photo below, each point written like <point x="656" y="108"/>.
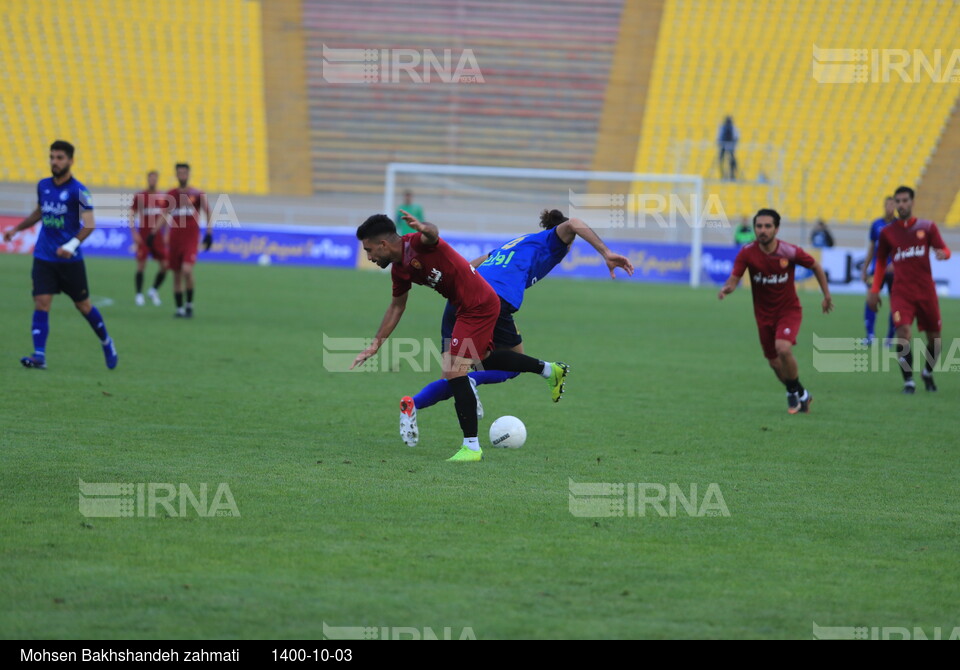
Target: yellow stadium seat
<point x="848" y="138"/>
<point x="134" y="73"/>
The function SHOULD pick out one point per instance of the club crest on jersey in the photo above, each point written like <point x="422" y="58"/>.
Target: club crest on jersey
<point x="416" y="264"/>
<point x="784" y="262"/>
<point x="921" y="234"/>
<point x="64" y="195"/>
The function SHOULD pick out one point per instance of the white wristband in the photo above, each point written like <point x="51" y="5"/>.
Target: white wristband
<point x="72" y="245"/>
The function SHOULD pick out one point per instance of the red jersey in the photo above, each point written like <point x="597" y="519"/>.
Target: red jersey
<point x="907" y="245"/>
<point x="147" y="208"/>
<point x="441" y="268"/>
<point x="771" y="277"/>
<point x="185" y="205"/>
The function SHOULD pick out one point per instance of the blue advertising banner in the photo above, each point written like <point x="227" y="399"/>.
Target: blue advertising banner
<point x="651" y="261"/>
<point x="338" y="247"/>
<point x="329" y="247"/>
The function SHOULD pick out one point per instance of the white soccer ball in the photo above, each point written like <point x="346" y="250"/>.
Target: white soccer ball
<point x="508" y="432"/>
<point x="264" y="259"/>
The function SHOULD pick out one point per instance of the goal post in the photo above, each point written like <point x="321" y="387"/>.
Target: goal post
<point x="504" y="186"/>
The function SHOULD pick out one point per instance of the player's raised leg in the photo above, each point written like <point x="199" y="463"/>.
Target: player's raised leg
<point x="95" y="319"/>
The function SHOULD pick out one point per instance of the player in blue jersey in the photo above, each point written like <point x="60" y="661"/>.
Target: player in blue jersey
<point x="866" y="274"/>
<point x="66" y="210"/>
<point x="510" y="269"/>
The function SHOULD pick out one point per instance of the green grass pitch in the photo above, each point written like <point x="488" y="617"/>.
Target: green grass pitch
<point x="844" y="517"/>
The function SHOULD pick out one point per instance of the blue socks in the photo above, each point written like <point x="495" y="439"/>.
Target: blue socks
<point x="432" y="393"/>
<point x="869" y="319"/>
<point x="440" y="390"/>
<point x="96" y="322"/>
<point x="491" y="376"/>
<point x="40" y="329"/>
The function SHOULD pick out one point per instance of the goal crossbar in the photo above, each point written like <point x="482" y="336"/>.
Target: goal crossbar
<point x="696" y="181"/>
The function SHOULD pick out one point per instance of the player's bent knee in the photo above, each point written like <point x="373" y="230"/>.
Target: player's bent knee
<point x="783" y="348"/>
<point x="84" y="306"/>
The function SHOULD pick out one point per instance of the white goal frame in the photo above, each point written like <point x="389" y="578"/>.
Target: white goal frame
<point x="696" y="236"/>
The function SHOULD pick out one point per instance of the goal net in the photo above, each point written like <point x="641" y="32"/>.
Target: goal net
<point x="501" y="201"/>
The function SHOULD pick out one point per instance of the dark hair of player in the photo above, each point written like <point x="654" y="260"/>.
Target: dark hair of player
<point x="64" y="146"/>
<point x="768" y="212"/>
<point x="182" y="165"/>
<point x="904" y="189"/>
<point x="551" y="219"/>
<point x="376" y="226"/>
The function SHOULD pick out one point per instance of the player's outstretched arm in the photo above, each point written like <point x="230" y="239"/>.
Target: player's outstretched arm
<point x="821" y="276"/>
<point x="866" y="263"/>
<point x="429" y="233"/>
<point x="873" y="293"/>
<point x="33" y="217"/>
<point x="940" y="250"/>
<point x="208" y="236"/>
<point x="571" y="228"/>
<point x="728" y="287"/>
<point x="479" y="260"/>
<point x="390" y="320"/>
<point x="134" y="218"/>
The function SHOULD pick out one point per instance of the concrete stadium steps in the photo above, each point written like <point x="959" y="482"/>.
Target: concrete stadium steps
<point x="544" y="66"/>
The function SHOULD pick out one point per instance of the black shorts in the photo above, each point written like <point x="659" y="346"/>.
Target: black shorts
<point x="506" y="335"/>
<point x="888" y="282"/>
<point x="50" y="278"/>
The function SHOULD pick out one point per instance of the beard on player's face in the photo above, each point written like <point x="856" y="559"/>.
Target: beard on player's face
<point x="59" y="172"/>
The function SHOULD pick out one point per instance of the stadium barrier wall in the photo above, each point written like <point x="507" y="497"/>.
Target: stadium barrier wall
<point x="338" y="247"/>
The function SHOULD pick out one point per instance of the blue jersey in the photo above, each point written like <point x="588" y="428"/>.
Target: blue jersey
<point x="60" y="209"/>
<point x="875" y="229"/>
<point x="521" y="263"/>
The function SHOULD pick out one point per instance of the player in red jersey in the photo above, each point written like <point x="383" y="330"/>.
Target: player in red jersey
<point x="146" y="229"/>
<point x="775" y="303"/>
<point x="185" y="204"/>
<point x="423" y="258"/>
<point x="906" y="243"/>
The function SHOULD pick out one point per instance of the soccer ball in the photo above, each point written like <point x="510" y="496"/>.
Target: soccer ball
<point x="264" y="260"/>
<point x="508" y="432"/>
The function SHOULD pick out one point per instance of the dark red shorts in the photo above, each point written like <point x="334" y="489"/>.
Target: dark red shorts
<point x="472" y="335"/>
<point x="785" y="327"/>
<point x="157" y="248"/>
<point x="925" y="310"/>
<point x="182" y="253"/>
